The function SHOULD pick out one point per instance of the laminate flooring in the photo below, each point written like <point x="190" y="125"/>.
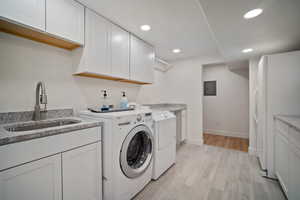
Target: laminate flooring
<point x="235" y="143"/>
<point x="212" y="173"/>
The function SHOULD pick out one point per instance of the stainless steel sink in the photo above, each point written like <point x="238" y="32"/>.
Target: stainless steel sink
<point x="29" y="126"/>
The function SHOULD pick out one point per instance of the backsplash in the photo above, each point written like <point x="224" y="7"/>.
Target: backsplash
<point x="24" y="63"/>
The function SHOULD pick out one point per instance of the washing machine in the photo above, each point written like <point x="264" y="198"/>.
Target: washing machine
<point x="127" y="143"/>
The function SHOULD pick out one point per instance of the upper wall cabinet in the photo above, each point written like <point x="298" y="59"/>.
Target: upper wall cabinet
<point x="65" y="18"/>
<point x="28" y="12"/>
<point x="95" y="57"/>
<point x="106" y="50"/>
<point x="119" y="52"/>
<point x="141" y="61"/>
<point x="58" y="23"/>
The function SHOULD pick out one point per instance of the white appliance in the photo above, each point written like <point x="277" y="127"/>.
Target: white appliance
<point x="278" y="92"/>
<point x="127" y="152"/>
<point x="164" y="142"/>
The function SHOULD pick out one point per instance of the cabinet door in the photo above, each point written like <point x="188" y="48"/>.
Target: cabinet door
<point x="96" y="50"/>
<point x="28" y="12"/>
<point x="282" y="160"/>
<point x="82" y="178"/>
<point x="141" y="61"/>
<point x="40" y="179"/>
<point x="65" y="18"/>
<point x="119" y="52"/>
<point x="294" y="175"/>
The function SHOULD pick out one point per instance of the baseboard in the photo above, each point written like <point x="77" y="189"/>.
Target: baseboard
<point x="195" y="141"/>
<point x="227" y="133"/>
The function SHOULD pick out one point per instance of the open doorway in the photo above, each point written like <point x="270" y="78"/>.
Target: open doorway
<point x="226" y="105"/>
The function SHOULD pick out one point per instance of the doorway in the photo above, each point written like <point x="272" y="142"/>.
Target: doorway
<point x="226" y="105"/>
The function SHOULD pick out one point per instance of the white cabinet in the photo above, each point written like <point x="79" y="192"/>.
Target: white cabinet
<point x="95" y="57"/>
<point x="55" y="22"/>
<point x="181" y="126"/>
<point x="287" y="158"/>
<point x="106" y="50"/>
<point x="282" y="160"/>
<point x="119" y="52"/>
<point x="65" y="18"/>
<point x="81" y="169"/>
<point x="74" y="172"/>
<point x="40" y="179"/>
<point x="110" y="52"/>
<point x="294" y="175"/>
<point x="141" y="61"/>
<point x="27" y="12"/>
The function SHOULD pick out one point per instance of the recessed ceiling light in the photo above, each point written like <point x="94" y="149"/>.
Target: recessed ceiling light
<point x="253" y="13"/>
<point x="176" y="50"/>
<point x="145" y="27"/>
<point x="247" y="50"/>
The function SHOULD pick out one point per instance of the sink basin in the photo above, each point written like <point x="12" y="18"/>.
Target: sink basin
<point x="29" y="126"/>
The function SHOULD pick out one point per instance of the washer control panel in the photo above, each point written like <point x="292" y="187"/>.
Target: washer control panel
<point x="135" y="119"/>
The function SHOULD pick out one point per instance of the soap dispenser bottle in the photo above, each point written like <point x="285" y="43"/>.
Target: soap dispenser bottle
<point x="124" y="101"/>
<point x="104" y="102"/>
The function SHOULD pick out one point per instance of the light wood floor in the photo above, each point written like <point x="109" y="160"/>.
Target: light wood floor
<point x="235" y="143"/>
<point x="212" y="173"/>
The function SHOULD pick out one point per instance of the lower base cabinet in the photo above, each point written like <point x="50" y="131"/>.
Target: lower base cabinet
<point x="282" y="160"/>
<point x="71" y="175"/>
<point x="181" y="126"/>
<point x="40" y="179"/>
<point x="294" y="175"/>
<point x="81" y="169"/>
<point x="287" y="159"/>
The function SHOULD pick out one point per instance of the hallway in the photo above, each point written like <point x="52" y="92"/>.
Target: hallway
<point x="227" y="142"/>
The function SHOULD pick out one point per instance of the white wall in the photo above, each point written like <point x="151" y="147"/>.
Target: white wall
<point x="228" y="112"/>
<point x="181" y="84"/>
<point x="23" y="63"/>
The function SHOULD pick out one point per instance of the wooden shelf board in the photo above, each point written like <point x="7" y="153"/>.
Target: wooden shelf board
<point x="35" y="35"/>
<point x="134" y="82"/>
<point x="91" y="75"/>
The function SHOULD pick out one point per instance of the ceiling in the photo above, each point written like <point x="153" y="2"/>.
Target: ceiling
<point x="277" y="29"/>
<point x="210" y="29"/>
<point x="175" y="24"/>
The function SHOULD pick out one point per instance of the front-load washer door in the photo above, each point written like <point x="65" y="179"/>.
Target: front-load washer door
<point x="136" y="151"/>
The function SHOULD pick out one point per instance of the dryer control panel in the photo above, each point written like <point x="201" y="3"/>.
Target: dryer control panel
<point x="163" y="115"/>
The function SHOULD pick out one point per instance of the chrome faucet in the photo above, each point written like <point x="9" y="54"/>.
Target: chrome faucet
<point x="40" y="99"/>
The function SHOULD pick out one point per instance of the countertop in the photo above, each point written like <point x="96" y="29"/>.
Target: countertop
<point x="292" y="120"/>
<point x="167" y="107"/>
<point x="7" y="137"/>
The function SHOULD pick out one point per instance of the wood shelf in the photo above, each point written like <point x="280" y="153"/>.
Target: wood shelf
<point x="98" y="76"/>
<point x="35" y="35"/>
